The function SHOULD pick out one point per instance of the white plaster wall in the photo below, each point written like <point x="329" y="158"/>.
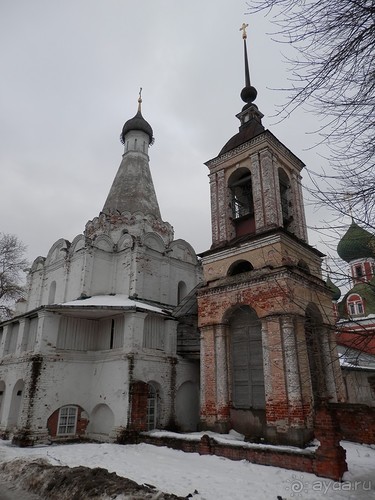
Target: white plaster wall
<point x="58" y="273"/>
<point x="73" y="287"/>
<point x="79" y="378"/>
<point x="102" y="273"/>
<point x="10" y="374"/>
<point x="122" y="272"/>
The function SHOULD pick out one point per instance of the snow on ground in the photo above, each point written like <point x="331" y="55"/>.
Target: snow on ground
<point x="213" y="477"/>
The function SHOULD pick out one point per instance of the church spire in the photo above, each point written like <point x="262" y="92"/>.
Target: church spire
<point x="250" y="116"/>
<point x="132" y="189"/>
<point x="248" y="93"/>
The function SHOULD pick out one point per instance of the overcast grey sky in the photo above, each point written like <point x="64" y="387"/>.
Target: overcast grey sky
<point x="70" y="76"/>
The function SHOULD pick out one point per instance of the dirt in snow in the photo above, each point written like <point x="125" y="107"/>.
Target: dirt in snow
<point x="74" y="483"/>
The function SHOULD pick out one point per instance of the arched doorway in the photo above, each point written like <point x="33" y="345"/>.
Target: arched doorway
<point x="247" y="372"/>
<point x="187" y="406"/>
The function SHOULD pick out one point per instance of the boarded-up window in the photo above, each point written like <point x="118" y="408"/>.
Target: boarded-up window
<point x="153" y="334"/>
<point x="247" y="360"/>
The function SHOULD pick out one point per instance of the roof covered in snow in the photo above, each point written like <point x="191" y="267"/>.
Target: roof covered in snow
<point x="106" y="305"/>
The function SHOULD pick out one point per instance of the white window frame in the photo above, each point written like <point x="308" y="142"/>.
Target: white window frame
<point x="67" y="423"/>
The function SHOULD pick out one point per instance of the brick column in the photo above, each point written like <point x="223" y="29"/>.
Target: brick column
<point x="299" y="220"/>
<point x="275" y="384"/>
<point x="330" y="456"/>
<point x="292" y="371"/>
<point x="270" y="191"/>
<point x="47" y="332"/>
<point x="304" y="370"/>
<point x="208" y="377"/>
<point x="222" y="207"/>
<point x="222" y="395"/>
<point x="328" y="356"/>
<point x="214" y="209"/>
<point x="257" y="191"/>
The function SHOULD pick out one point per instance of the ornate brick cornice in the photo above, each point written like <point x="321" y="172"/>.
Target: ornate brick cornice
<point x="265" y="137"/>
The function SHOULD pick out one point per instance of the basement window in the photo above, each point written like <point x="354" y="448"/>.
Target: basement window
<point x="67" y="420"/>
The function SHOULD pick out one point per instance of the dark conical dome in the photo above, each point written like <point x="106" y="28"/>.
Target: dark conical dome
<point x="357" y="243"/>
<point x="336" y="292"/>
<point x="137" y="123"/>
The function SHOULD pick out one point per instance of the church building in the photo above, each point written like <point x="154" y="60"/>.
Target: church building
<point x="92" y="350"/>
<point x="355" y="314"/>
<point x="268" y="348"/>
<point x="125" y="328"/>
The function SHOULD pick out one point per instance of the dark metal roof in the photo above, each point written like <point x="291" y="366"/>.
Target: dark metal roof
<point x="137" y="123"/>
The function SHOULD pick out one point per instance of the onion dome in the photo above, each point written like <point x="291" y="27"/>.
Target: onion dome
<point x="357" y="243"/>
<point x="137" y="123"/>
<point x="336" y="292"/>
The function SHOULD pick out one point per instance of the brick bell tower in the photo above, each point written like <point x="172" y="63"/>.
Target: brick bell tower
<point x="268" y="352"/>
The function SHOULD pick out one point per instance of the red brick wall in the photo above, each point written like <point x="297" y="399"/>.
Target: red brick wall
<point x="356" y="422"/>
<point x="263" y="456"/>
<point x="327" y="461"/>
<point x="138" y="413"/>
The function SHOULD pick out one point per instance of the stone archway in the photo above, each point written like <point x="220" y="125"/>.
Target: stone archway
<point x="16" y="404"/>
<point x="102" y="420"/>
<point x="187" y="406"/>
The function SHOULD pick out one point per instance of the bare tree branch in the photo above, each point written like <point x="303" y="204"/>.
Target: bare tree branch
<point x="12" y="266"/>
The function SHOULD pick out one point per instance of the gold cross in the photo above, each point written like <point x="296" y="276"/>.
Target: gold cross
<point x="243" y="29"/>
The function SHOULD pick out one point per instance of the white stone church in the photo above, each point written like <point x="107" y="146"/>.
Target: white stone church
<point x="92" y="350"/>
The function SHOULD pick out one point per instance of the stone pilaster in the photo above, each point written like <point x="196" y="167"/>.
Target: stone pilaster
<point x="222" y="393"/>
<point x="208" y="377"/>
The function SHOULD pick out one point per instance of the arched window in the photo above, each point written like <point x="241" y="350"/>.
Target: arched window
<point x="354" y="305"/>
<point x="285" y="197"/>
<point x="181" y="291"/>
<point x="241" y="201"/>
<point x="247" y="359"/>
<point x="240" y="266"/>
<point x="303" y="266"/>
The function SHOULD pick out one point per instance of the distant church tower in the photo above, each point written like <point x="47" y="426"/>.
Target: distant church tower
<point x="267" y="339"/>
